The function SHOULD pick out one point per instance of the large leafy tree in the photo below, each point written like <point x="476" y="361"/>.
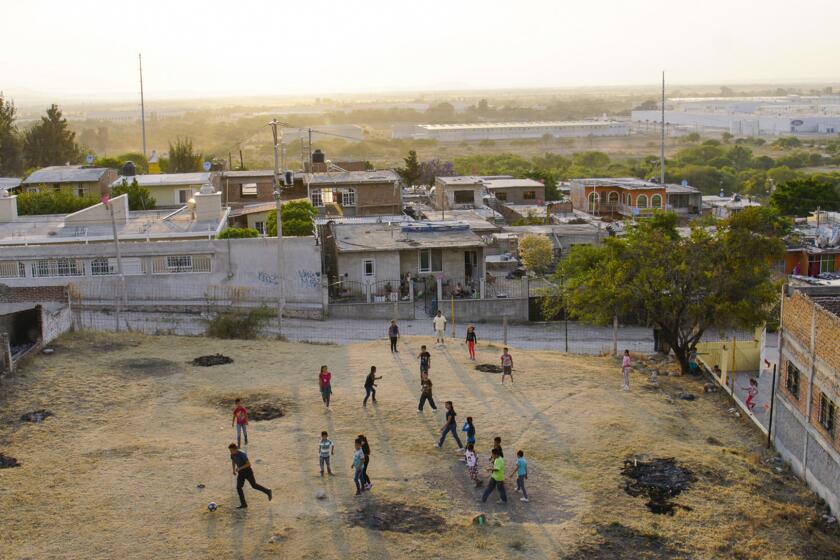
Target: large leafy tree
<point x="410" y="174"/>
<point x="799" y="197"/>
<point x="680" y="285"/>
<point x="429" y="170"/>
<point x="11" y="155"/>
<point x="182" y="157"/>
<point x="50" y="142"/>
<point x="536" y="252"/>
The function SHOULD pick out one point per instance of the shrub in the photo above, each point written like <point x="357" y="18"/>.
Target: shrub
<point x="139" y="198"/>
<point x="61" y="202"/>
<point x="239" y="324"/>
<point x="238" y="233"/>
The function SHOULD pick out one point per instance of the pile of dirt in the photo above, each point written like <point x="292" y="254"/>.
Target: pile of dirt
<point x="36" y="416"/>
<point x="7" y="462"/>
<point x="488" y="368"/>
<point x="152" y="367"/>
<point x="396" y="517"/>
<point x="618" y="541"/>
<point x="659" y="480"/>
<point x="265" y="411"/>
<point x="212" y="360"/>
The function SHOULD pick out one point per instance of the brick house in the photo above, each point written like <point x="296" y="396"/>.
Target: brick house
<point x="357" y="193"/>
<point x="247" y="188"/>
<point x="516" y="191"/>
<point x="632" y="197"/>
<point x="805" y="430"/>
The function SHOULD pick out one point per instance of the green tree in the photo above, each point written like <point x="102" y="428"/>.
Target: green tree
<point x="536" y="252"/>
<point x="139" y="198"/>
<point x="50" y="142"/>
<point x="682" y="286"/>
<point x="410" y="174"/>
<point x="726" y="137"/>
<point x="800" y="197"/>
<point x="692" y="137"/>
<point x="11" y="154"/>
<point x="297" y="219"/>
<point x="182" y="157"/>
<point x="241" y="233"/>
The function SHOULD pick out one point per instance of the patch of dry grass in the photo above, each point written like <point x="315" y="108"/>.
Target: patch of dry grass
<point x="114" y="473"/>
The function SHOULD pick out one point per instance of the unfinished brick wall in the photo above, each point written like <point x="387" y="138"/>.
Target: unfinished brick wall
<point x="32" y="293"/>
<point x="828" y="338"/>
<point x="796" y="318"/>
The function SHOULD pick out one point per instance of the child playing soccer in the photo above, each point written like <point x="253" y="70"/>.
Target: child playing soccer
<point x="325" y="449"/>
<point x="507" y="365"/>
<point x="521" y="474"/>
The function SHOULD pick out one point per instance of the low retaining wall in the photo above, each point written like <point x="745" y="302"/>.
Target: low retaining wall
<point x="384" y="311"/>
<point x="491" y="310"/>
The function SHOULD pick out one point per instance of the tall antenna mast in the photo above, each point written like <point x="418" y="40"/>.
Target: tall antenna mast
<point x="662" y="140"/>
<point x="142" y="105"/>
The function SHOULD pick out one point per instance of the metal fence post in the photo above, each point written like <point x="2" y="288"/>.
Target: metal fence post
<point x="505" y="329"/>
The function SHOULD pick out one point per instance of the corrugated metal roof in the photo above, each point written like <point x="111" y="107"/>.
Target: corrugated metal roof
<point x="65" y="174"/>
<point x="166" y="179"/>
<point x="9" y="182"/>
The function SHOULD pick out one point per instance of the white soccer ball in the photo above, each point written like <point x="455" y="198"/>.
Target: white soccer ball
<point x="212" y="506"/>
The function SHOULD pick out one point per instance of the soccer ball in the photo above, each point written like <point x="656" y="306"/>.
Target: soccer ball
<point x="212" y="506"/>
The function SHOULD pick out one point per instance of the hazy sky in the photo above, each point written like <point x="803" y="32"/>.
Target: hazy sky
<point x="255" y="47"/>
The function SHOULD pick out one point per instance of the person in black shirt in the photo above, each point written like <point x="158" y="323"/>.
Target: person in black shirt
<point x="426" y="393"/>
<point x="370" y="385"/>
<point x="450" y="426"/>
<point x="243" y="471"/>
<point x="425" y="361"/>
<point x="366" y="450"/>
<point x="472" y="339"/>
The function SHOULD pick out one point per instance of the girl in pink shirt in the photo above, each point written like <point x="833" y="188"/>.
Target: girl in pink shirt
<point x="324" y="379"/>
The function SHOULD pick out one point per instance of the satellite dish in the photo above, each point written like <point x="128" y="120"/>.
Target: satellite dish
<point x="89" y="159"/>
<point x="207" y="166"/>
<point x="685" y="182"/>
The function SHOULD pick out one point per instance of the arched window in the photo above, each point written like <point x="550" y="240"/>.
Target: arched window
<point x="641" y="201"/>
<point x="656" y="201"/>
<point x="593" y="201"/>
<point x="613" y="198"/>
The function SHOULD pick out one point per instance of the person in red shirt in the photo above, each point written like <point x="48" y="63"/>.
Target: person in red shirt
<point x="240" y="420"/>
<point x="324" y="379"/>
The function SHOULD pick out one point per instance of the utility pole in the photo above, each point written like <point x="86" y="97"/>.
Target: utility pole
<point x="310" y="151"/>
<point x="281" y="299"/>
<point x="121" y="300"/>
<point x="142" y="106"/>
<point x="662" y="140"/>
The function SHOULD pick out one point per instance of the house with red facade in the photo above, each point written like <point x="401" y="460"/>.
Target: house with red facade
<point x="631" y="197"/>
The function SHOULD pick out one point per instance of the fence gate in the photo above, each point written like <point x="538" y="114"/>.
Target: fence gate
<point x="429" y="287"/>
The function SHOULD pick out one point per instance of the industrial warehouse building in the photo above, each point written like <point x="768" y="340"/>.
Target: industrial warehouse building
<point x="512" y="130"/>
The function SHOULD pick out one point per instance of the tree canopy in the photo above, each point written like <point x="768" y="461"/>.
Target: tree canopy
<point x="410" y="173"/>
<point x="50" y="142"/>
<point x="182" y="157"/>
<point x="52" y="202"/>
<point x="799" y="197"/>
<point x="139" y="198"/>
<point x="536" y="252"/>
<point x="240" y="233"/>
<point x="297" y="219"/>
<point x="682" y="286"/>
<point x="11" y="153"/>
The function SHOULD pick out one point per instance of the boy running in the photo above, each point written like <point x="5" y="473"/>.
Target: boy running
<point x="450" y="426"/>
<point x="240" y="418"/>
<point x="507" y="365"/>
<point x="497" y="478"/>
<point x="243" y="471"/>
<point x="325" y="449"/>
<point x="426" y="393"/>
<point x="370" y="385"/>
<point x="521" y="474"/>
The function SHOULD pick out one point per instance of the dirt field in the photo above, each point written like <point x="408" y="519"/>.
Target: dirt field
<point x="136" y="428"/>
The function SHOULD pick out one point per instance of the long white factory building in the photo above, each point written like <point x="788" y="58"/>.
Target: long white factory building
<point x="511" y="130"/>
<point x="750" y="116"/>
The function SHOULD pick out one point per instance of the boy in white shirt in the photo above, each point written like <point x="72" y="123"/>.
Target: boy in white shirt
<point x="439" y="323"/>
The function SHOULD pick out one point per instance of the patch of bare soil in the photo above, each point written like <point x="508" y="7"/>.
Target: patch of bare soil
<point x="659" y="480"/>
<point x="212" y="360"/>
<point x="149" y="367"/>
<point x="488" y="368"/>
<point x="615" y="541"/>
<point x="260" y="407"/>
<point x="396" y="517"/>
<point x="7" y="462"/>
<point x="36" y="416"/>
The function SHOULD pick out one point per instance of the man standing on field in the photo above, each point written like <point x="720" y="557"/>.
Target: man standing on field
<point x="439" y="323"/>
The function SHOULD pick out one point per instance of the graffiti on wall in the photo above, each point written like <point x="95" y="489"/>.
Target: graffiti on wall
<point x="309" y="279"/>
<point x="267" y="278"/>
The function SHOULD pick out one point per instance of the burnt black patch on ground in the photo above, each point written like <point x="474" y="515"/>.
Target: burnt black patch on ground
<point x="659" y="480"/>
<point x="259" y="407"/>
<point x="396" y="517"/>
<point x="148" y="367"/>
<point x="615" y="541"/>
<point x="488" y="368"/>
<point x="7" y="462"/>
<point x="36" y="416"/>
<point x="212" y="360"/>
